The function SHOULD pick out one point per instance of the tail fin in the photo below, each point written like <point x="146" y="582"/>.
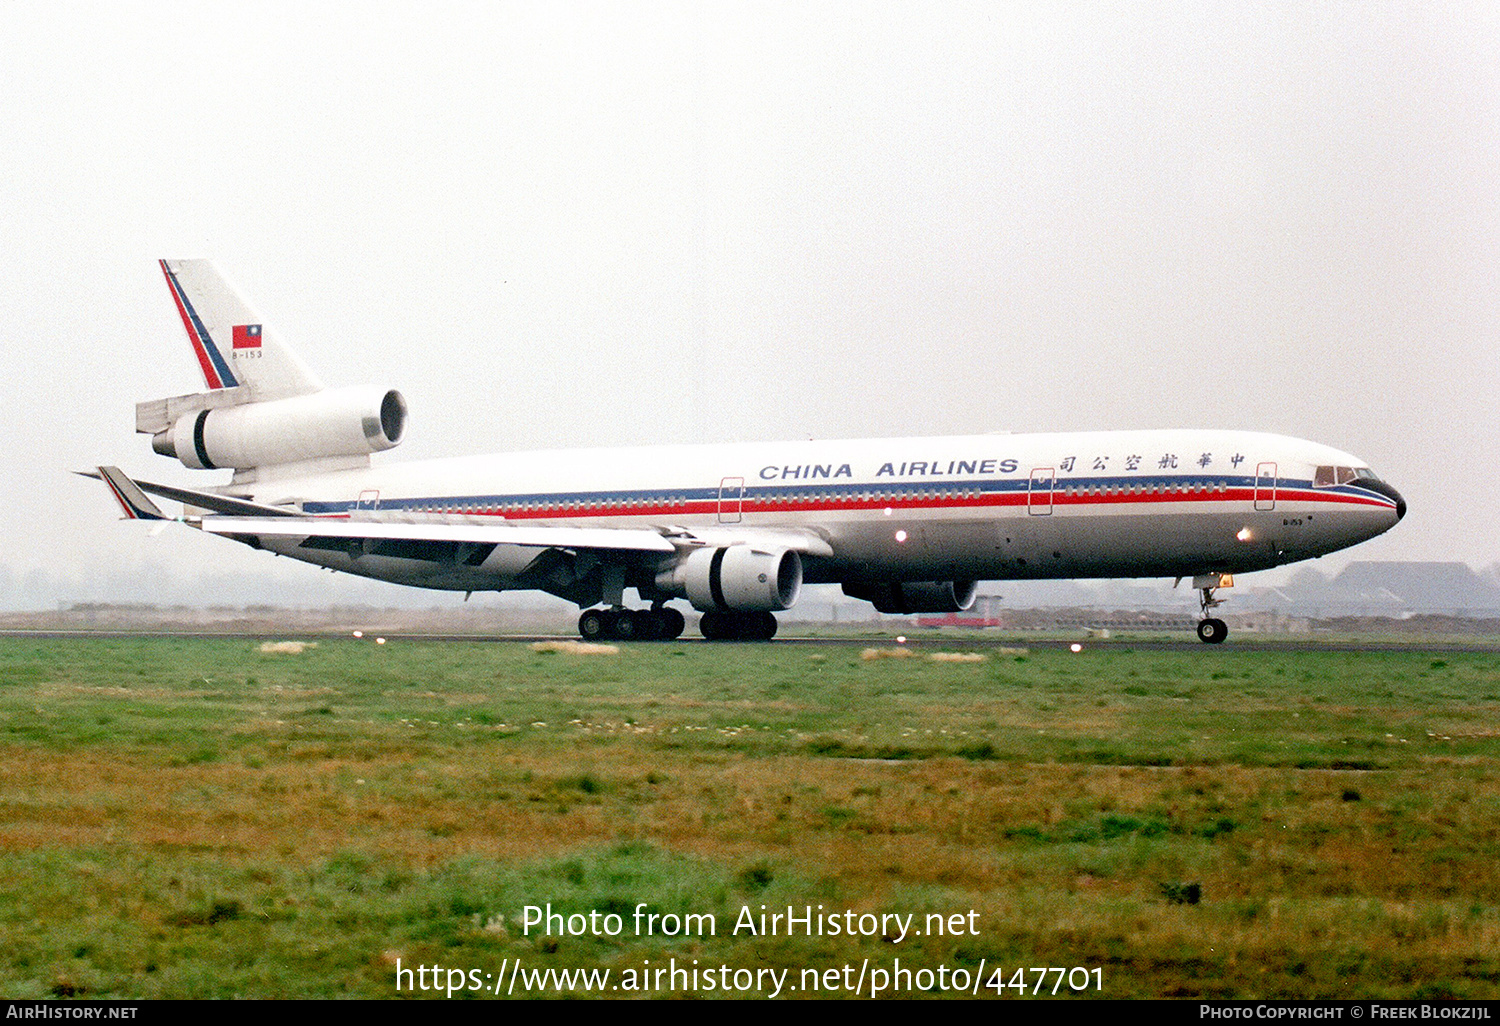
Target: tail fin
<point x="233" y="345"/>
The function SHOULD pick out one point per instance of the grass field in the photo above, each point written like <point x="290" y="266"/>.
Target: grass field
<point x="197" y="818"/>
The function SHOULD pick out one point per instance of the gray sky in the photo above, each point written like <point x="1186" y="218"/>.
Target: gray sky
<point x="558" y="225"/>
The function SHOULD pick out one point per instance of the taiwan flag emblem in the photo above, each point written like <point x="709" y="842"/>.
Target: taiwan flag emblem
<point x="247" y="336"/>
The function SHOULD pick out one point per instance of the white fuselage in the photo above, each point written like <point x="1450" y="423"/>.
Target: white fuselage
<point x="986" y="507"/>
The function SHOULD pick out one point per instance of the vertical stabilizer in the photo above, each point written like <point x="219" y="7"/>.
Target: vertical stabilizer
<point x="234" y="346"/>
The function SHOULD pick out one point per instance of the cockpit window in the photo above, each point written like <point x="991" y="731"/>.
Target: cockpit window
<point x="1328" y="477"/>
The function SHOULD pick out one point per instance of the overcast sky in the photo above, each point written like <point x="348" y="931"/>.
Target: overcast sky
<point x="557" y="225"/>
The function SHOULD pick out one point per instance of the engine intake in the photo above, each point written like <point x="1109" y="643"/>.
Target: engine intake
<point x="903" y="597"/>
<point x="338" y="422"/>
<point x="736" y="577"/>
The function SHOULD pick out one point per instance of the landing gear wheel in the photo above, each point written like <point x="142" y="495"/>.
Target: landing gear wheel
<point x="648" y="624"/>
<point x="1212" y="631"/>
<point x="660" y="624"/>
<point x="672" y="623"/>
<point x="736" y="626"/>
<point x="593" y="624"/>
<point x="627" y="626"/>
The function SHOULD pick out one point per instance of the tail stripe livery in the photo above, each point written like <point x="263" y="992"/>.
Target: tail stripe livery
<point x="216" y="370"/>
<point x="234" y="345"/>
<point x="131" y="499"/>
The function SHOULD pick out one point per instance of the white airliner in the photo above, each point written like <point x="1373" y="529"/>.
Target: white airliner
<point x="909" y="524"/>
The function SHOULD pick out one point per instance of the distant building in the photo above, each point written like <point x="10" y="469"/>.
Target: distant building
<point x="1388" y="589"/>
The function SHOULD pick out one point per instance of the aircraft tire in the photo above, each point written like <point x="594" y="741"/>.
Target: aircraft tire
<point x="737" y="626"/>
<point x="672" y="622"/>
<point x="592" y="624"/>
<point x="1212" y="631"/>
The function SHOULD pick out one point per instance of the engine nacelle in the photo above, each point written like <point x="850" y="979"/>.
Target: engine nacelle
<point x="903" y="597"/>
<point x="736" y="577"/>
<point x="336" y="422"/>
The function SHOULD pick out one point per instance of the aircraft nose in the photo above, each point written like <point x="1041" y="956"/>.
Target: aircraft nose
<point x="1389" y="493"/>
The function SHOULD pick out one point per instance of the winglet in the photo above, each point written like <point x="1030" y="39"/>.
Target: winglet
<point x="131" y="499"/>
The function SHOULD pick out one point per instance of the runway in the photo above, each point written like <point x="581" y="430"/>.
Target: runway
<point x="1155" y="643"/>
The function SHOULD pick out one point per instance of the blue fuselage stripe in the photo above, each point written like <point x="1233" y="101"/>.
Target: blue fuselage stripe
<point x="936" y="494"/>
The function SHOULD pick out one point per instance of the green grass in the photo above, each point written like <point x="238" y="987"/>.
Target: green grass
<point x="193" y="818"/>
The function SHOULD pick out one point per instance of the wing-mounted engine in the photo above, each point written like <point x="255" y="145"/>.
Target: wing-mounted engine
<point x="902" y="597"/>
<point x="738" y="578"/>
<point x="211" y="430"/>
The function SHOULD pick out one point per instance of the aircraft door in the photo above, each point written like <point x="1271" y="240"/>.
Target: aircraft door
<point x="731" y="500"/>
<point x="1265" y="486"/>
<point x="1039" y="492"/>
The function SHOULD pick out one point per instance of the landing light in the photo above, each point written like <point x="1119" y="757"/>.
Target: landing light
<point x="1075" y="647"/>
<point x="1244" y="534"/>
<point x="900" y="536"/>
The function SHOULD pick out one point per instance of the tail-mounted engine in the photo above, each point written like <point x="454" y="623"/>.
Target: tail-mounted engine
<point x="903" y="597"/>
<point x="736" y="577"/>
<point x="213" y="433"/>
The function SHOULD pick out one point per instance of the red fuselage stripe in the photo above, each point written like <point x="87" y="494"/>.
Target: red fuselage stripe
<point x="999" y="499"/>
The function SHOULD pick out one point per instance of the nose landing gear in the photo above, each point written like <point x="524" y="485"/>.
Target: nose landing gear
<point x="1211" y="630"/>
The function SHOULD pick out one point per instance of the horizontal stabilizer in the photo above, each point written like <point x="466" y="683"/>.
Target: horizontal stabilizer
<point x="157" y="415"/>
<point x="226" y="504"/>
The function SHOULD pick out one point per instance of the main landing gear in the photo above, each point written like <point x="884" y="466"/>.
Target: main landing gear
<point x="1211" y="630"/>
<point x="735" y="626"/>
<point x="664" y="624"/>
<point x="657" y="624"/>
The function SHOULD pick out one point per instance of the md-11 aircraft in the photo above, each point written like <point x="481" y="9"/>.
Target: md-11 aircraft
<point x="908" y="524"/>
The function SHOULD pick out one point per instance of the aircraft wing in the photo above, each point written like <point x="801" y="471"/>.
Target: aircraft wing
<point x="632" y="539"/>
<point x="234" y="516"/>
<point x="627" y="539"/>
